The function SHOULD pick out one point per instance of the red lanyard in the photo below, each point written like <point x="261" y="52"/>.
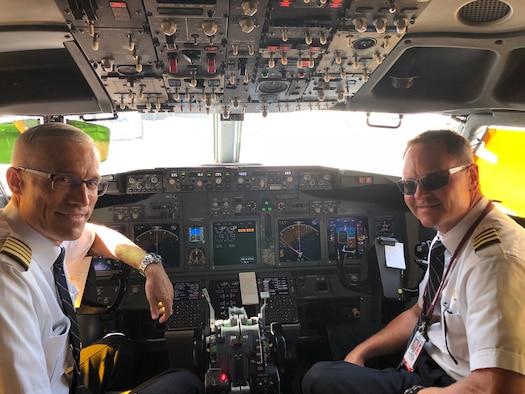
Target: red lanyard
<point x="453" y="260"/>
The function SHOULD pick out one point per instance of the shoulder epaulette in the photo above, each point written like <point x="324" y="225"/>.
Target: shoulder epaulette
<point x="485" y="238"/>
<point x="18" y="251"/>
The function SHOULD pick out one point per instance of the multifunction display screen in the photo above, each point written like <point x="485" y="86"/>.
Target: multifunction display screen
<point x="349" y="234"/>
<point x="234" y="243"/>
<point x="105" y="264"/>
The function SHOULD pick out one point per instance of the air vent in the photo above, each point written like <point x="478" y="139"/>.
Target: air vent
<point x="484" y="11"/>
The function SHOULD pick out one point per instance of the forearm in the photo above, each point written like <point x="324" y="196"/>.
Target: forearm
<point x="158" y="287"/>
<point x="130" y="254"/>
<point x="392" y="338"/>
<point x="113" y="244"/>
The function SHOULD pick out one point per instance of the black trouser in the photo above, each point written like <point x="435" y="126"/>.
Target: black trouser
<point x="108" y="364"/>
<point x="340" y="377"/>
<point x="173" y="381"/>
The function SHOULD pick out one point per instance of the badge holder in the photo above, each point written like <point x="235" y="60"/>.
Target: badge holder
<point x="415" y="346"/>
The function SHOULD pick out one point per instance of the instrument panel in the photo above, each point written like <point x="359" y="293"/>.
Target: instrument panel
<point x="210" y="224"/>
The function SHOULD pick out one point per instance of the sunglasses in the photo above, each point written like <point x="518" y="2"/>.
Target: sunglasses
<point x="430" y="182"/>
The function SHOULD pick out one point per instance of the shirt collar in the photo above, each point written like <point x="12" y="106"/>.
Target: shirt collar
<point x="453" y="237"/>
<point x="44" y="251"/>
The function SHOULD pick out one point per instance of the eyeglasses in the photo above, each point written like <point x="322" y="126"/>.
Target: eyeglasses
<point x="430" y="182"/>
<point x="95" y="187"/>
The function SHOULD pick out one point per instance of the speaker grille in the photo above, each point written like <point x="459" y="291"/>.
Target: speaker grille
<point x="484" y="11"/>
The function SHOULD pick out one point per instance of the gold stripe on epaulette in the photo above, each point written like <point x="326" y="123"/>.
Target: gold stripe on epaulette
<point x="485" y="238"/>
<point x="18" y="251"/>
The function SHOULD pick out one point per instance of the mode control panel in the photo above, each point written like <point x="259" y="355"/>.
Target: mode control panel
<point x="229" y="179"/>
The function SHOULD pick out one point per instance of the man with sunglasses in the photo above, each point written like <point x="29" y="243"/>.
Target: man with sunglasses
<point x="55" y="182"/>
<point x="471" y="337"/>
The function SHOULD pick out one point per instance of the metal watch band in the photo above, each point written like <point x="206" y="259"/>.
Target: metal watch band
<point x="150" y="258"/>
<point x="414" y="389"/>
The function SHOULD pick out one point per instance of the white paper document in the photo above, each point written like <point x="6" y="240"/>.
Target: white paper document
<point x="249" y="292"/>
<point x="395" y="256"/>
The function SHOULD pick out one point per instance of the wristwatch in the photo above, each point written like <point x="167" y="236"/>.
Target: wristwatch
<point x="151" y="258"/>
<point x="414" y="389"/>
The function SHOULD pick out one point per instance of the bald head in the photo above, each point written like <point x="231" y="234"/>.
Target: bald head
<point x="41" y="155"/>
<point x="33" y="146"/>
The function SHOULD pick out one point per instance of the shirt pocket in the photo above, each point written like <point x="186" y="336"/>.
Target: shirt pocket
<point x="455" y="334"/>
<point x="58" y="355"/>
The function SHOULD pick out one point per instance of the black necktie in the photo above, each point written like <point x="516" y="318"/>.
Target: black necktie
<point x="69" y="310"/>
<point x="435" y="271"/>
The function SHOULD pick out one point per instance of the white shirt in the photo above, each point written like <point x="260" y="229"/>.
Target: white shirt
<point x="34" y="341"/>
<point x="77" y="265"/>
<point x="482" y="306"/>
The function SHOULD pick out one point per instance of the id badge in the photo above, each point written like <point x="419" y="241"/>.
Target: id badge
<point x="415" y="346"/>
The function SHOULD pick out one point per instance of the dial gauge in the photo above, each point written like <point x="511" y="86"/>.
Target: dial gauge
<point x="162" y="239"/>
<point x="196" y="256"/>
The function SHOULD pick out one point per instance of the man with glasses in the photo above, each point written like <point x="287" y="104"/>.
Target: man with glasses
<point x="55" y="183"/>
<point x="466" y="333"/>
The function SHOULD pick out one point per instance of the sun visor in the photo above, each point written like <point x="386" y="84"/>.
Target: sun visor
<point x="501" y="166"/>
<point x="43" y="72"/>
<point x="9" y="132"/>
<point x="99" y="133"/>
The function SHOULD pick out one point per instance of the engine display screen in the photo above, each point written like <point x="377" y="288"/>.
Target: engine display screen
<point x="299" y="240"/>
<point x="163" y="239"/>
<point x="357" y="237"/>
<point x="234" y="243"/>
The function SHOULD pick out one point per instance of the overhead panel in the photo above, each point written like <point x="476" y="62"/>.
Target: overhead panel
<point x="240" y="55"/>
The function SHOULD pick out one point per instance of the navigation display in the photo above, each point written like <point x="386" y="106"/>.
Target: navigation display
<point x="357" y="237"/>
<point x="234" y="243"/>
<point x="162" y="239"/>
<point x="299" y="240"/>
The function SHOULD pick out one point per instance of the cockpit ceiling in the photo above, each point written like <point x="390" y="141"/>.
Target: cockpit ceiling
<point x="449" y="75"/>
<point x="238" y="56"/>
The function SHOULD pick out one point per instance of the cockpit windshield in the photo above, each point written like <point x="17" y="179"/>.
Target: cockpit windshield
<point x="154" y="140"/>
